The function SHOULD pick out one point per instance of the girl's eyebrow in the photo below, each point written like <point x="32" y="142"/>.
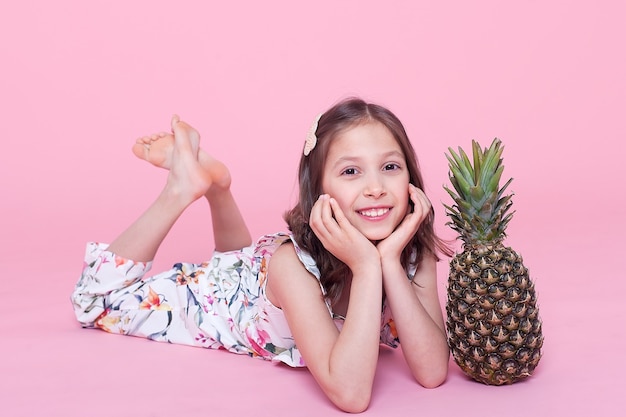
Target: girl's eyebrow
<point x="393" y="153"/>
<point x="385" y="155"/>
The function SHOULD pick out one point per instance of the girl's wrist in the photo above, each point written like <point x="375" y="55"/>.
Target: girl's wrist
<point x="390" y="261"/>
<point x="372" y="267"/>
<point x="392" y="268"/>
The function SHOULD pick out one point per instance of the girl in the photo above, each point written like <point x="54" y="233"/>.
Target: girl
<point x="356" y="270"/>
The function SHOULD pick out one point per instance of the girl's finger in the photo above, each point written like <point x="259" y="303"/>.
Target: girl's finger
<point x="330" y="225"/>
<point x="325" y="211"/>
<point x="340" y="217"/>
<point x="420" y="201"/>
<point x="315" y="220"/>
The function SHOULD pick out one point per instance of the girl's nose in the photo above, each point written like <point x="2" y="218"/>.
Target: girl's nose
<point x="375" y="187"/>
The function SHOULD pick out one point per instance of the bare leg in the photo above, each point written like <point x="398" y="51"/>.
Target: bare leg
<point x="229" y="229"/>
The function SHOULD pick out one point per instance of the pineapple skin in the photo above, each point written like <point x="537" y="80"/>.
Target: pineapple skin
<point x="493" y="325"/>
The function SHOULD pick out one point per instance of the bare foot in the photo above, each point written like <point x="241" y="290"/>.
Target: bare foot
<point x="187" y="180"/>
<point x="156" y="149"/>
<point x="159" y="147"/>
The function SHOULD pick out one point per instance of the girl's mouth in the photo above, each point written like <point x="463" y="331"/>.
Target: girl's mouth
<point x="374" y="212"/>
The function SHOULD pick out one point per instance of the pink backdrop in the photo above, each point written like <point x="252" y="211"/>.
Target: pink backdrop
<point x="82" y="79"/>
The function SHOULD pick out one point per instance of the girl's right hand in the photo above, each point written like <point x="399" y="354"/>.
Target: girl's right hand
<point x="339" y="236"/>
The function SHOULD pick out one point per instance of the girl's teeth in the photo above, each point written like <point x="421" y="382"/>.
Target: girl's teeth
<point x="374" y="212"/>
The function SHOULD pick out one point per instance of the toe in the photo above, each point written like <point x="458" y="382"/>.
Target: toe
<point x="175" y="120"/>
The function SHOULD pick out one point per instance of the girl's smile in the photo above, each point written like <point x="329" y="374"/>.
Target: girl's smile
<point x="375" y="213"/>
<point x="366" y="173"/>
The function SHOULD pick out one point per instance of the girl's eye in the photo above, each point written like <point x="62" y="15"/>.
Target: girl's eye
<point x="391" y="167"/>
<point x="349" y="171"/>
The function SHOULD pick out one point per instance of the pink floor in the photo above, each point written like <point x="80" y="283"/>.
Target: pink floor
<point x="80" y="80"/>
<point x="52" y="367"/>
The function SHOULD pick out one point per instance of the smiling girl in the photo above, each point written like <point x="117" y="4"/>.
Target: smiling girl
<point x="356" y="270"/>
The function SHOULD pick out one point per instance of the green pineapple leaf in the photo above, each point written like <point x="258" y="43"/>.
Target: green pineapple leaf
<point x="480" y="212"/>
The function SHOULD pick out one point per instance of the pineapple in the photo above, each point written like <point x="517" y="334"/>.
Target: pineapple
<point x="494" y="330"/>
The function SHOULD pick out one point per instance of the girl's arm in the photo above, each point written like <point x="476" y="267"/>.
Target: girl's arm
<point x="343" y="363"/>
<point x="415" y="304"/>
<point x="418" y="318"/>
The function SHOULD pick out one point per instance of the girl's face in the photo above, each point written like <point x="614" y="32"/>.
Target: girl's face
<point x="366" y="172"/>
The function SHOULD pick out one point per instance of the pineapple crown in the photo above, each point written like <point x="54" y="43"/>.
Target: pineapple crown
<point x="479" y="214"/>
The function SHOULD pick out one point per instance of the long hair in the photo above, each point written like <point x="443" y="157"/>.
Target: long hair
<point x="345" y="115"/>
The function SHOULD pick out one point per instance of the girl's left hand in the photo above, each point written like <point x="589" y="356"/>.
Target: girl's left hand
<point x="393" y="245"/>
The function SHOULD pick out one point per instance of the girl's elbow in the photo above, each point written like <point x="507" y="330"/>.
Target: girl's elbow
<point x="434" y="378"/>
<point x="352" y="404"/>
<point x="431" y="383"/>
<point x="352" y="400"/>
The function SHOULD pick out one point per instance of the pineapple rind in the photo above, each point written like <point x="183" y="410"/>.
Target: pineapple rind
<point x="494" y="331"/>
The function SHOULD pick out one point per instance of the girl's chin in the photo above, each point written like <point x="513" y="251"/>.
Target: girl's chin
<point x="377" y="234"/>
<point x="376" y="237"/>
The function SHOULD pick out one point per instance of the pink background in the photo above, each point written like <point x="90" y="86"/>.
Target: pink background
<point x="80" y="80"/>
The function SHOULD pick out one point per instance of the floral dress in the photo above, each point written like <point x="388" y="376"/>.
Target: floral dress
<point x="217" y="304"/>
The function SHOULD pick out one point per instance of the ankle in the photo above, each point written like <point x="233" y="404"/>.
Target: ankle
<point x="216" y="193"/>
<point x="176" y="197"/>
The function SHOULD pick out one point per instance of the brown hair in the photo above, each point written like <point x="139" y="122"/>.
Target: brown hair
<point x="342" y="116"/>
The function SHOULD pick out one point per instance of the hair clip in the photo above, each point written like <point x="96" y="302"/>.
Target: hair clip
<point x="311" y="139"/>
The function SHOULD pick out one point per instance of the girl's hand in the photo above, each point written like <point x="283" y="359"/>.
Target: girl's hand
<point x="392" y="246"/>
<point x="339" y="236"/>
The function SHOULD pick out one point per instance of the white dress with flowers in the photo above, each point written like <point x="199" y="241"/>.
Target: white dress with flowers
<point x="220" y="303"/>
